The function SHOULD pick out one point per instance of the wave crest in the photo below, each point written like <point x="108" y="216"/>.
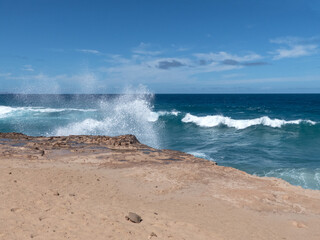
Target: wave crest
<point x="216" y="120"/>
<point x="4" y="111"/>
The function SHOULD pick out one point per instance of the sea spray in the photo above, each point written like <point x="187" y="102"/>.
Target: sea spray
<point x="129" y="113"/>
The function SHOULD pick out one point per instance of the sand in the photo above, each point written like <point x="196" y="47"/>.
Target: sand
<point x="82" y="187"/>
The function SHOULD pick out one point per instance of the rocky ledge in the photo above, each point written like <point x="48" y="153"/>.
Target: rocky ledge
<point x="120" y="150"/>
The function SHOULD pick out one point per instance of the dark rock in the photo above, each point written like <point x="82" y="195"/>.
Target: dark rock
<point x="133" y="217"/>
<point x="13" y="135"/>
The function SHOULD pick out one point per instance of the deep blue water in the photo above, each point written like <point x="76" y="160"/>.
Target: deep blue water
<point x="268" y="135"/>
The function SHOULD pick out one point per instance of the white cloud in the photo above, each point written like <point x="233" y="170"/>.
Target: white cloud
<point x="233" y="75"/>
<point x="183" y="49"/>
<point x="294" y="47"/>
<point x="144" y="49"/>
<point x="286" y="40"/>
<point x="221" y="56"/>
<point x="28" y="68"/>
<point x="5" y="74"/>
<point x="269" y="80"/>
<point x="91" y="51"/>
<point x="151" y="69"/>
<point x="214" y="67"/>
<point x="289" y="40"/>
<point x="295" y="51"/>
<point x="117" y="59"/>
<point x="179" y="48"/>
<point x="144" y="70"/>
<point x="144" y="66"/>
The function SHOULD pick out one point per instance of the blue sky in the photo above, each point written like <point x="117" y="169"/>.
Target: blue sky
<point x="176" y="46"/>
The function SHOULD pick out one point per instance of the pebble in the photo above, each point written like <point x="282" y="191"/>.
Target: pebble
<point x="133" y="217"/>
<point x="152" y="235"/>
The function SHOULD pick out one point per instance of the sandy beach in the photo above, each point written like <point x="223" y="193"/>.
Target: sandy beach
<point x="82" y="187"/>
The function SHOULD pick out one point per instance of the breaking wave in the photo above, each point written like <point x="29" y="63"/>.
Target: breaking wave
<point x="216" y="120"/>
<point x="4" y="111"/>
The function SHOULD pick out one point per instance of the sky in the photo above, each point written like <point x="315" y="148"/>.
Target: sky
<point x="168" y="46"/>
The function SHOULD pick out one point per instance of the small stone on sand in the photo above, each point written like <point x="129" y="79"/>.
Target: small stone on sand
<point x="152" y="235"/>
<point x="133" y="217"/>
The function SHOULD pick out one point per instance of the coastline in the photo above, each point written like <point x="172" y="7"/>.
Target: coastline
<point x="82" y="187"/>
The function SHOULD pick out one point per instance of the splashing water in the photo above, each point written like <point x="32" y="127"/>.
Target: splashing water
<point x="130" y="113"/>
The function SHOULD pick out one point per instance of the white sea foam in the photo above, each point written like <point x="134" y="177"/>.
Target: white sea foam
<point x="307" y="178"/>
<point x="199" y="154"/>
<point x="52" y="110"/>
<point x="130" y="113"/>
<point x="4" y="111"/>
<point x="154" y="116"/>
<point x="216" y="120"/>
<point x="173" y="113"/>
<point x="8" y="111"/>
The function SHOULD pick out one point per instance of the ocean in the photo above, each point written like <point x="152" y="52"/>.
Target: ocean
<point x="276" y="135"/>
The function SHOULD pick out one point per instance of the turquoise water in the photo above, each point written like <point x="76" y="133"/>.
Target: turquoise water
<point x="267" y="135"/>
